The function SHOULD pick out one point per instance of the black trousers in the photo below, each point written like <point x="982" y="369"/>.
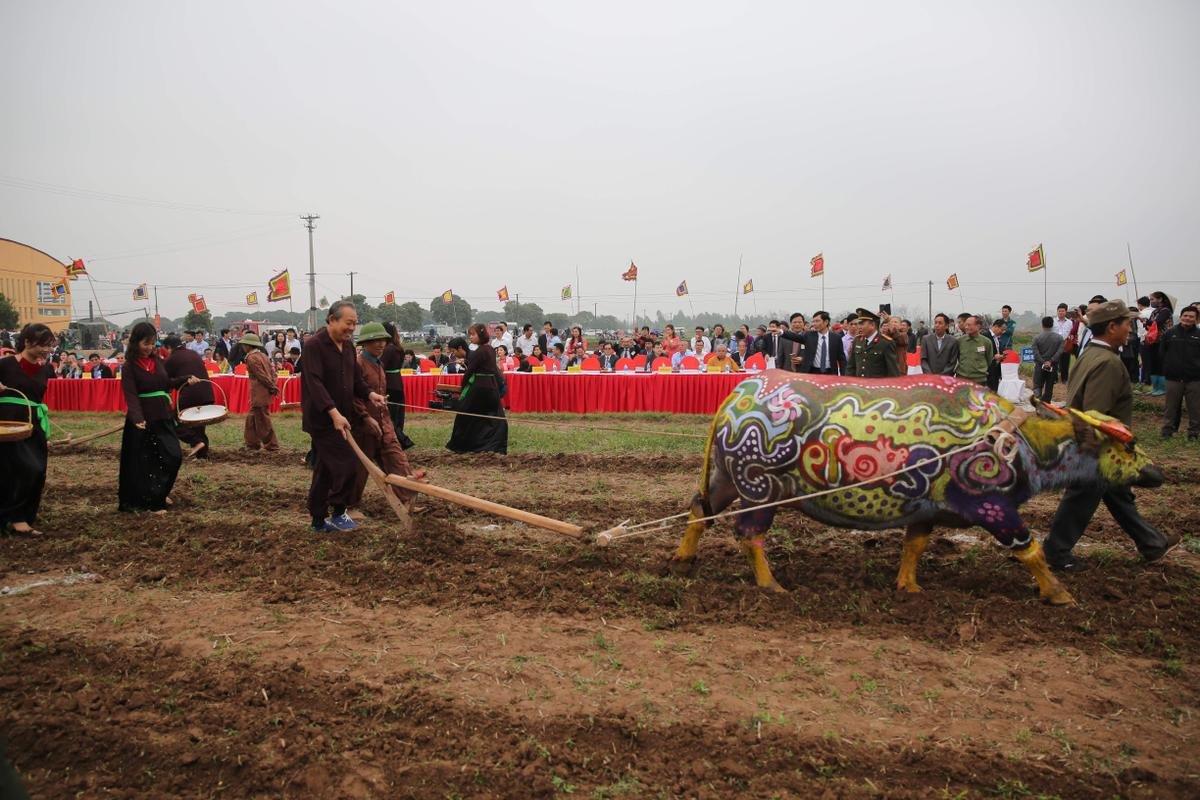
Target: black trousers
<point x="150" y="461"/>
<point x="1043" y="382"/>
<point x="1078" y="506"/>
<point x="22" y="478"/>
<point x="334" y="468"/>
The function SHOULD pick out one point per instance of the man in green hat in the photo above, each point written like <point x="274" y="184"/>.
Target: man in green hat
<point x="873" y="354"/>
<point x="263" y="388"/>
<point x="372" y="426"/>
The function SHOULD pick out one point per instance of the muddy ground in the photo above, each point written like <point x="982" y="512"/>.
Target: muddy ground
<point x="222" y="651"/>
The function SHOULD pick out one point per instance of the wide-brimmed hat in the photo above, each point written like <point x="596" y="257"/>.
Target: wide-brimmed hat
<point x="373" y="331"/>
<point x="1107" y="312"/>
<point x="251" y="340"/>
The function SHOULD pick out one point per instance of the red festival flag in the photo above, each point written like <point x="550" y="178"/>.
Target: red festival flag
<point x="390" y="298"/>
<point x="631" y="273"/>
<point x="198" y="304"/>
<point x="1036" y="259"/>
<point x="502" y="294"/>
<point x="818" y="265"/>
<point x="76" y="267"/>
<point x="279" y="287"/>
<point x="952" y="281"/>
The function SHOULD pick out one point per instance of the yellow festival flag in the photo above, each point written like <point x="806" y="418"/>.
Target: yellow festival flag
<point x="1121" y="278"/>
<point x="252" y="299"/>
<point x="1036" y="259"/>
<point x="502" y="294"/>
<point x="748" y="287"/>
<point x="952" y="281"/>
<point x="448" y="296"/>
<point x="566" y="292"/>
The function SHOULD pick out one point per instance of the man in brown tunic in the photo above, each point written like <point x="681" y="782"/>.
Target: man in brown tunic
<point x="263" y="388"/>
<point x="373" y="428"/>
<point x="329" y="383"/>
<point x="1100" y="382"/>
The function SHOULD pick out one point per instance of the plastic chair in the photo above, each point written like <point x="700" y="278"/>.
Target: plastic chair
<point x="689" y="362"/>
<point x="533" y="362"/>
<point x="659" y="363"/>
<point x="756" y="361"/>
<point x="552" y="365"/>
<point x="426" y="364"/>
<point x="639" y="361"/>
<point x="709" y="356"/>
<point x="590" y="364"/>
<point x="624" y="365"/>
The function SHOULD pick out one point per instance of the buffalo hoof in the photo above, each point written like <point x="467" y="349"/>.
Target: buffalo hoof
<point x="908" y="588"/>
<point x="1060" y="598"/>
<point x="774" y="586"/>
<point x="682" y="567"/>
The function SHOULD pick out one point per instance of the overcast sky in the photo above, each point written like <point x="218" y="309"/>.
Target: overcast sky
<point x="468" y="146"/>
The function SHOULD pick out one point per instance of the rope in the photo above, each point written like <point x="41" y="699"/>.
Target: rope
<point x="644" y="528"/>
<point x="552" y="423"/>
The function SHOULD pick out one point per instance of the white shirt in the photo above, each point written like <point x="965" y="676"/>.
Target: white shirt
<point x="707" y="345"/>
<point x="1063" y="326"/>
<point x="505" y="339"/>
<point x="822" y="338"/>
<point x="527" y="343"/>
<point x="197" y="347"/>
<point x="289" y="344"/>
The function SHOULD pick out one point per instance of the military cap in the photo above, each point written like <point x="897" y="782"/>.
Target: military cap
<point x="865" y="315"/>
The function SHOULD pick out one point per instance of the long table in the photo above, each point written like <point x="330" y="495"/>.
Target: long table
<point x="578" y="393"/>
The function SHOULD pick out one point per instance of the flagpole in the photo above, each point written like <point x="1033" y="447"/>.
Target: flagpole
<point x="1132" y="274"/>
<point x="1045" y="284"/>
<point x="94" y="297"/>
<point x="579" y="290"/>
<point x="738" y="288"/>
<point x="823" y="284"/>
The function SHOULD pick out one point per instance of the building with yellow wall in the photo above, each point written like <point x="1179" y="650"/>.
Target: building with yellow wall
<point x="27" y="278"/>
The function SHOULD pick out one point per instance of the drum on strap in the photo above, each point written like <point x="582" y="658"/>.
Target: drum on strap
<point x="209" y="414"/>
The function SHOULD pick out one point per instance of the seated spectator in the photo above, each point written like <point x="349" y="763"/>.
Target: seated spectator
<point x="455" y="366"/>
<point x="576" y="359"/>
<point x="722" y="360"/>
<point x="98" y="368"/>
<point x="656" y="353"/>
<point x="410" y="361"/>
<point x="279" y="364"/>
<point x="210" y="364"/>
<point x="437" y="357"/>
<point x="628" y="349"/>
<point x="681" y="352"/>
<point x="69" y="367"/>
<point x="608" y="358"/>
<point x="505" y="362"/>
<point x="559" y="354"/>
<point x="293" y="358"/>
<point x="743" y="349"/>
<point x="537" y="353"/>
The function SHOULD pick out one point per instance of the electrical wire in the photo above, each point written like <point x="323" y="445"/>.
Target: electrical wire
<point x="28" y="184"/>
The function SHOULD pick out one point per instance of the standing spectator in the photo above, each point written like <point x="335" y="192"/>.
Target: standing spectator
<point x="628" y="348"/>
<point x="1160" y="322"/>
<point x="826" y="354"/>
<point x="993" y="376"/>
<point x="290" y="341"/>
<point x="225" y="349"/>
<point x="719" y="337"/>
<point x="745" y="331"/>
<point x="874" y="355"/>
<point x="1010" y="327"/>
<point x="576" y="340"/>
<point x="975" y="352"/>
<point x="1143" y="322"/>
<point x="670" y="340"/>
<point x="704" y="342"/>
<point x="1066" y="328"/>
<point x="1180" y="351"/>
<point x="962" y="324"/>
<point x="1047" y="347"/>
<point x="939" y="350"/>
<point x="502" y="337"/>
<point x="198" y="344"/>
<point x="526" y="341"/>
<point x="791" y="354"/>
<point x="1100" y="383"/>
<point x="922" y="330"/>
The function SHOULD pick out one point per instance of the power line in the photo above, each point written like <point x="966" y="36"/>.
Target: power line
<point x="32" y="185"/>
<point x="255" y="232"/>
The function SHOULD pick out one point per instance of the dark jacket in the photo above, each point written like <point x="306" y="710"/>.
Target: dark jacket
<point x="792" y="344"/>
<point x="1180" y="350"/>
<point x="183" y="363"/>
<point x="392" y="361"/>
<point x="835" y="359"/>
<point x="331" y="379"/>
<point x="104" y="370"/>
<point x="136" y="381"/>
<point x="874" y="359"/>
<point x="1100" y="382"/>
<point x="34" y="387"/>
<point x="939" y="362"/>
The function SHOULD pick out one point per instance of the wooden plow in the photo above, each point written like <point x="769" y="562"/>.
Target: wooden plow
<point x="386" y="481"/>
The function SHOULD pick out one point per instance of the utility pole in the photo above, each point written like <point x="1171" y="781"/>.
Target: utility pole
<point x="312" y="276"/>
<point x="351" y="274"/>
<point x="929" y="319"/>
<point x="156" y="299"/>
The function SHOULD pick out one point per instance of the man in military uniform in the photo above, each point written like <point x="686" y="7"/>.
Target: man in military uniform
<point x="1099" y="382"/>
<point x="873" y="354"/>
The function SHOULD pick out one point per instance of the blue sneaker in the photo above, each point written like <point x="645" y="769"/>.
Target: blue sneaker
<point x="324" y="527"/>
<point x="342" y="522"/>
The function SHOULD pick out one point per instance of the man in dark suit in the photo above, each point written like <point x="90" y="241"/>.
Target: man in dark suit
<point x="939" y="350"/>
<point x="792" y="353"/>
<point x="826" y="355"/>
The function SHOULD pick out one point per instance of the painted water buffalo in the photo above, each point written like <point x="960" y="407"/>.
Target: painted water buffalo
<point x="781" y="435"/>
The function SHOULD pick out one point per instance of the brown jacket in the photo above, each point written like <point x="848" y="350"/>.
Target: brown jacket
<point x="376" y="379"/>
<point x="1100" y="382"/>
<point x="263" y="385"/>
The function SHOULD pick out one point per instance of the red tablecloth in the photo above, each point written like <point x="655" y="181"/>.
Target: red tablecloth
<point x="580" y="393"/>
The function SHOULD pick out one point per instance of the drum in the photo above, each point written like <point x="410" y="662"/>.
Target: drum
<point x="13" y="430"/>
<point x="206" y="414"/>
